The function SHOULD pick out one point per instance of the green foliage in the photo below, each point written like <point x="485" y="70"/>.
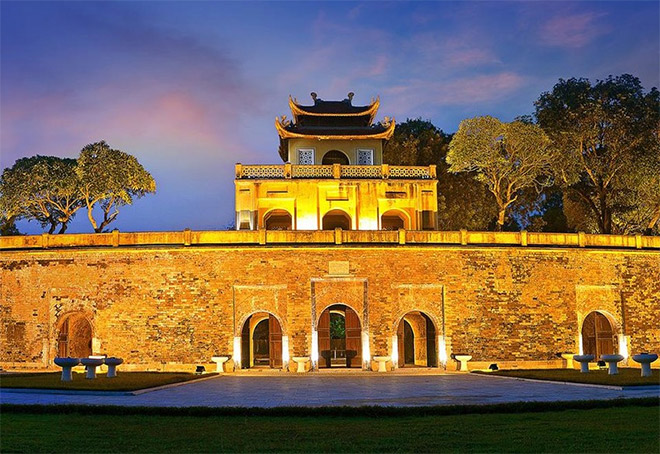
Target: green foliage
<point x="51" y="190"/>
<point x="43" y="188"/>
<point x="337" y="326"/>
<point x="507" y="157"/>
<point x="608" y="137"/>
<point x="463" y="203"/>
<point x="111" y="179"/>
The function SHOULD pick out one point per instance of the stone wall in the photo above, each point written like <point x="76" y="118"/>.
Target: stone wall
<point x="160" y="307"/>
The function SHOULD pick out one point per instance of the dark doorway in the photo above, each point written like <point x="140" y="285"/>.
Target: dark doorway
<point x="597" y="335"/>
<point x="340" y="337"/>
<point x="261" y="343"/>
<point x="278" y="220"/>
<point x="334" y="157"/>
<point x="416" y="341"/>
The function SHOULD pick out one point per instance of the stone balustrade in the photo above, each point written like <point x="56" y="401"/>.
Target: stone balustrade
<point x="335" y="171"/>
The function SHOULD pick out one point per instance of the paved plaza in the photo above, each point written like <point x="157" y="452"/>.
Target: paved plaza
<point x="319" y="389"/>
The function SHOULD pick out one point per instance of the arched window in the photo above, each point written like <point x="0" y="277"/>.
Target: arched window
<point x="334" y="157"/>
<point x="277" y="220"/>
<point x="393" y="220"/>
<point x="336" y="219"/>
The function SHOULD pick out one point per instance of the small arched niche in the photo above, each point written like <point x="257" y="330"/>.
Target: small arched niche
<point x="334" y="219"/>
<point x="335" y="157"/>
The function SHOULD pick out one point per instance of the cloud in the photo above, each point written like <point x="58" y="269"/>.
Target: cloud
<point x="572" y="30"/>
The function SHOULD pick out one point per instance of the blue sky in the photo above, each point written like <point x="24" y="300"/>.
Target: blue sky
<point x="191" y="88"/>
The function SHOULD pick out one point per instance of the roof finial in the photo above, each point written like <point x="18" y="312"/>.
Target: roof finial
<point x="314" y="96"/>
<point x="350" y="97"/>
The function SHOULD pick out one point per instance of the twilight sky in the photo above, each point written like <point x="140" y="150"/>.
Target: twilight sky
<point x="191" y="88"/>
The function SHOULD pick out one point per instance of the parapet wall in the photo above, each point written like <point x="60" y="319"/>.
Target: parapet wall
<point x="510" y="298"/>
<point x="246" y="237"/>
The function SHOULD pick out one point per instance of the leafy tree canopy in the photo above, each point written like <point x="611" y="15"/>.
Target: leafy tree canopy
<point x="607" y="134"/>
<point x="507" y="157"/>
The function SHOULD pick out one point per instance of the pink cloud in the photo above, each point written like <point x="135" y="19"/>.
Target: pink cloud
<point x="572" y="30"/>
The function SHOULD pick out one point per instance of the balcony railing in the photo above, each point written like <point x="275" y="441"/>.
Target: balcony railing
<point x="336" y="171"/>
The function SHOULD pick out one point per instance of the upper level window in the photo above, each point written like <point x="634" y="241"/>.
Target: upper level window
<point x="335" y="157"/>
<point x="365" y="157"/>
<point x="306" y="156"/>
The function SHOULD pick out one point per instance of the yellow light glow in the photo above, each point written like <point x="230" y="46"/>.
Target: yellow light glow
<point x="315" y="348"/>
<point x="366" y="351"/>
<point x="236" y="355"/>
<point x="395" y="350"/>
<point x="285" y="351"/>
<point x="442" y="353"/>
<point x="623" y="346"/>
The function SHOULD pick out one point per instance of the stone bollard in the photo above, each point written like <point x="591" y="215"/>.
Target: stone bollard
<point x="219" y="362"/>
<point x="112" y="364"/>
<point x="91" y="364"/>
<point x="301" y="361"/>
<point x="382" y="362"/>
<point x="66" y="364"/>
<point x="612" y="361"/>
<point x="463" y="360"/>
<point x="584" y="362"/>
<point x="645" y="359"/>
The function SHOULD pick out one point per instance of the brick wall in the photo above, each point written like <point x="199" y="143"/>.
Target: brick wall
<point x="159" y="307"/>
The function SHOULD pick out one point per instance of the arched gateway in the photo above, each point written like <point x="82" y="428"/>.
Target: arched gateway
<point x="339" y="337"/>
<point x="598" y="335"/>
<point x="417" y="341"/>
<point x="261" y="341"/>
<point x="74" y="337"/>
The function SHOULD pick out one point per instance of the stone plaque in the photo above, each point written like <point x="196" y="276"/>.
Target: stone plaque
<point x="338" y="269"/>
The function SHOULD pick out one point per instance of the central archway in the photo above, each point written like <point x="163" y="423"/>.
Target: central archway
<point x="416" y="341"/>
<point x="74" y="338"/>
<point x="598" y="336"/>
<point x="334" y="157"/>
<point x="339" y="337"/>
<point x="261" y="341"/>
<point x="336" y="219"/>
<point x="278" y="220"/>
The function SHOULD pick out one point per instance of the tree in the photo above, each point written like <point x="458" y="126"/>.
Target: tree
<point x="110" y="179"/>
<point x="43" y="188"/>
<point x="507" y="157"/>
<point x="463" y="203"/>
<point x="608" y="137"/>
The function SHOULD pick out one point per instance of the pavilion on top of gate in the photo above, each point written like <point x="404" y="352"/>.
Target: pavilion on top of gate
<point x="334" y="175"/>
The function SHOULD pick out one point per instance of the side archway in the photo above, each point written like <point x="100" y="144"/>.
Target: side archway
<point x="394" y="220"/>
<point x="74" y="336"/>
<point x="278" y="220"/>
<point x="261" y="342"/>
<point x="416" y="341"/>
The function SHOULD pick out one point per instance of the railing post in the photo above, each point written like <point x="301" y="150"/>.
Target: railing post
<point x="262" y="236"/>
<point x="287" y="170"/>
<point x="432" y="171"/>
<point x="336" y="171"/>
<point x="523" y="238"/>
<point x="115" y="238"/>
<point x="464" y="238"/>
<point x="338" y="235"/>
<point x="582" y="239"/>
<point x="187" y="237"/>
<point x="639" y="241"/>
<point x="385" y="171"/>
<point x="402" y="236"/>
<point x="44" y="240"/>
<point x="238" y="169"/>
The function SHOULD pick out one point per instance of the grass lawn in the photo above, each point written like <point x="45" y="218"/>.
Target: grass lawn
<point x="618" y="429"/>
<point x="125" y="381"/>
<point x="626" y="376"/>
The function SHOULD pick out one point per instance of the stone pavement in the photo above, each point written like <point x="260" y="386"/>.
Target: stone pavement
<point x="319" y="389"/>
